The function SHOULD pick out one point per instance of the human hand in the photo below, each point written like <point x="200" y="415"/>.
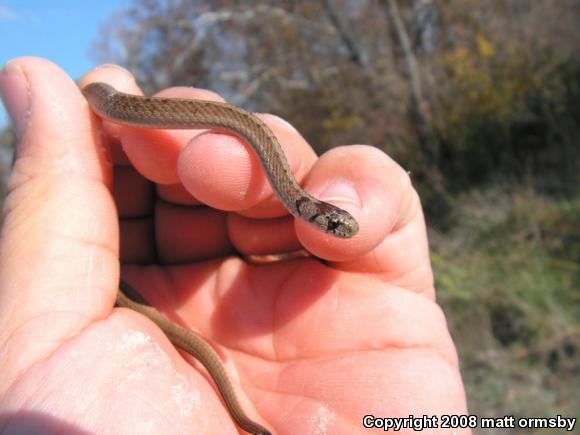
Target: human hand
<point x="311" y="346"/>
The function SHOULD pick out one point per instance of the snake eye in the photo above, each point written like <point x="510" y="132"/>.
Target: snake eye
<point x="332" y="220"/>
<point x="333" y="224"/>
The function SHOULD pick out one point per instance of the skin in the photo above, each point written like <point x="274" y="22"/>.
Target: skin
<point x="311" y="347"/>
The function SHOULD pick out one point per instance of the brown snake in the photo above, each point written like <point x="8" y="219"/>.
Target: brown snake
<point x="169" y="113"/>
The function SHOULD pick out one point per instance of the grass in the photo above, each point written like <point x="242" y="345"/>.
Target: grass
<point x="508" y="277"/>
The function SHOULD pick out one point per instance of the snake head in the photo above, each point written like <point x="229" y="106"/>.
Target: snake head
<point x="334" y="221"/>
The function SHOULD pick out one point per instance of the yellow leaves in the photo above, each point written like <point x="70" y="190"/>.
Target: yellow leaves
<point x="484" y="47"/>
<point x="463" y="62"/>
<point x="459" y="62"/>
<point x="487" y="82"/>
<point x="340" y="121"/>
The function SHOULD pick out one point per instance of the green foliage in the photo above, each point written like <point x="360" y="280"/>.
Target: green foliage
<point x="508" y="277"/>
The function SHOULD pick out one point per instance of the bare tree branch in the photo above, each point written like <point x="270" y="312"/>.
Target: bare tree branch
<point x="348" y="41"/>
<point x="418" y="104"/>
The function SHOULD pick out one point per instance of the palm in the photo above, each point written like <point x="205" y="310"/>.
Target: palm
<point x="329" y="345"/>
<point x="311" y="346"/>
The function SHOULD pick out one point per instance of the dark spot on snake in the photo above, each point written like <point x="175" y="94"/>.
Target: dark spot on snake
<point x="333" y="224"/>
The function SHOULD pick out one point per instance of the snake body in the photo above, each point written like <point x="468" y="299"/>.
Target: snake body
<point x="176" y="113"/>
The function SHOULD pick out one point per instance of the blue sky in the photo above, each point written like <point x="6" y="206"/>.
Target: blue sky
<point x="60" y="30"/>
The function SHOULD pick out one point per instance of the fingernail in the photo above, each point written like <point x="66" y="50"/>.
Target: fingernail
<point x="15" y="96"/>
<point x="340" y="190"/>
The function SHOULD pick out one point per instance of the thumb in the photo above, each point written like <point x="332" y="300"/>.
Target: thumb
<point x="59" y="266"/>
